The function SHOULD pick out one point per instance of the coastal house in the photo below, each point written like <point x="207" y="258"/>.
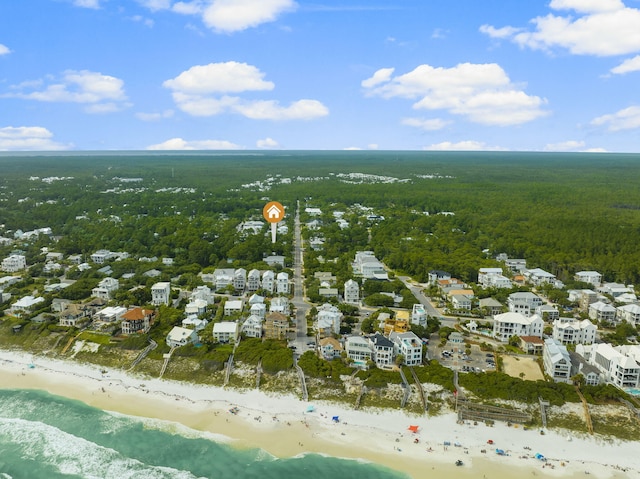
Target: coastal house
<point x="101" y="256"/>
<point x="194" y="322"/>
<point x="351" y="292"/>
<point x="629" y="313"/>
<point x="268" y="281"/>
<point x="202" y="293"/>
<point x="574" y="331"/>
<point x="274" y="260"/>
<point x="181" y="337"/>
<point x="328" y="320"/>
<point x="556" y="360"/>
<point x="137" y="320"/>
<point x="233" y="306"/>
<point x="510" y="324"/>
<point x="461" y="302"/>
<point x="253" y="280"/>
<point x="258" y="309"/>
<point x="282" y="283"/>
<point x="223" y="277"/>
<point x="225" y="331"/>
<point x="280" y="305"/>
<point x="592" y="277"/>
<point x="382" y="350"/>
<point x="516" y="265"/>
<point x="419" y="315"/>
<point x="161" y="293"/>
<point x="25" y="304"/>
<point x="330" y="348"/>
<point x="73" y="315"/>
<point x="110" y="314"/>
<point x="548" y="313"/>
<point x="239" y="279"/>
<point x="615" y="367"/>
<point x="493" y="278"/>
<point x="359" y="350"/>
<point x="603" y="312"/>
<point x="368" y="266"/>
<point x="252" y="326"/>
<point x="532" y="345"/>
<point x="539" y="277"/>
<point x="409" y="345"/>
<point x="14" y="263"/>
<point x="105" y="287"/>
<point x="579" y="366"/>
<point x="276" y="326"/>
<point x="490" y="306"/>
<point x="524" y="303"/>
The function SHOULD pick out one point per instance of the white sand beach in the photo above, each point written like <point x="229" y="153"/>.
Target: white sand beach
<point x="283" y="426"/>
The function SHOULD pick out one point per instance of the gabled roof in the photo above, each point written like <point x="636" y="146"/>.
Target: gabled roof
<point x="137" y="314"/>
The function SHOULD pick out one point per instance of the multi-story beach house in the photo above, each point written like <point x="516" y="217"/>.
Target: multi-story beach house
<point x="629" y="313"/>
<point x="592" y="277"/>
<point x="137" y="320"/>
<point x="253" y="280"/>
<point x="351" y="292"/>
<point x="574" y="331"/>
<point x="603" y="312"/>
<point x="104" y="288"/>
<point x="179" y="336"/>
<point x="14" y="263"/>
<point x="268" y="281"/>
<point x="161" y="293"/>
<point x="239" y="279"/>
<point x="616" y="368"/>
<point x="359" y="350"/>
<point x="282" y="283"/>
<point x="368" y="266"/>
<point x="524" y="303"/>
<point x="556" y="360"/>
<point x="409" y="345"/>
<point x="252" y="326"/>
<point x="225" y="331"/>
<point x="382" y="350"/>
<point x="276" y="326"/>
<point x="510" y="324"/>
<point x="280" y="305"/>
<point x="419" y="315"/>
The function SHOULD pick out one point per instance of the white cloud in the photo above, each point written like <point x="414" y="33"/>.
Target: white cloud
<point x="27" y="138"/>
<point x="267" y="143"/>
<point x="235" y="15"/>
<point x="352" y="148"/>
<point x="430" y="124"/>
<point x="373" y="146"/>
<point x="271" y="110"/>
<point x="627" y="66"/>
<point x="4" y="50"/>
<point x="101" y="92"/>
<point x="201" y="91"/>
<point x="219" y="78"/>
<point x="154" y="116"/>
<point x="483" y="93"/>
<point x="570" y="145"/>
<point x="626" y="119"/>
<point x="155" y="5"/>
<point x="187" y="8"/>
<point x="467" y="145"/>
<point x="95" y="4"/>
<point x="601" y="28"/>
<point x="180" y="144"/>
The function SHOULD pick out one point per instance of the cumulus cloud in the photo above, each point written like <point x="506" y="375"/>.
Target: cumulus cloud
<point x="627" y="66"/>
<point x="4" y="50"/>
<point x="28" y="138"/>
<point x="601" y="28"/>
<point x="235" y="15"/>
<point x="180" y="144"/>
<point x="626" y="119"/>
<point x="267" y="143"/>
<point x="227" y="16"/>
<point x="430" y="124"/>
<point x="154" y="116"/>
<point x="467" y="145"/>
<point x="203" y="91"/>
<point x="483" y="93"/>
<point x="102" y="93"/>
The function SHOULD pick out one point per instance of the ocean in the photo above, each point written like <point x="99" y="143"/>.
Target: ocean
<point x="51" y="437"/>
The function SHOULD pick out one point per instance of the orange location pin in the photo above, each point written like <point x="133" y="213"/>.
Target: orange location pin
<point x="273" y="212"/>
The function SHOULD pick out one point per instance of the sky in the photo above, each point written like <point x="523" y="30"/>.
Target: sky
<point x="501" y="75"/>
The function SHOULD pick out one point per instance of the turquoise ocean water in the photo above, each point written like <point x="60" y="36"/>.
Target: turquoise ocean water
<point x="50" y="437"/>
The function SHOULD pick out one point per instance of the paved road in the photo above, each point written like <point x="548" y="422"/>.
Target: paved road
<point x="298" y="296"/>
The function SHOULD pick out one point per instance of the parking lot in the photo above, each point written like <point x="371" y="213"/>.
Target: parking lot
<point x="453" y="356"/>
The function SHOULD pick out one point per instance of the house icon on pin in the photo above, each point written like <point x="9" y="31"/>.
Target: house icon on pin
<point x="274" y="212"/>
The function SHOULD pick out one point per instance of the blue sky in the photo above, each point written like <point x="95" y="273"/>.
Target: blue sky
<point x="518" y="75"/>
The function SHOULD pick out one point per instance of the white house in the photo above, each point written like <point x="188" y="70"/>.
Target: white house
<point x="493" y="278"/>
<point x="556" y="360"/>
<point x="620" y="370"/>
<point x="382" y="350"/>
<point x="223" y="277"/>
<point x="592" y="277"/>
<point x="110" y="314"/>
<point x="239" y="279"/>
<point x="351" y="292"/>
<point x="615" y="289"/>
<point x="268" y="281"/>
<point x="461" y="302"/>
<point x="232" y="307"/>
<point x="368" y="266"/>
<point x="193" y="322"/>
<point x="629" y="313"/>
<point x="280" y="305"/>
<point x="330" y="348"/>
<point x="105" y="287"/>
<point x="358" y="349"/>
<point x="274" y="260"/>
<point x="26" y="303"/>
<point x="225" y="331"/>
<point x="196" y="307"/>
<point x="202" y="292"/>
<point x="409" y="345"/>
<point x="102" y="255"/>
<point x="419" y="315"/>
<point x="516" y="265"/>
<point x="538" y="277"/>
<point x="600" y="311"/>
<point x="524" y="303"/>
<point x="258" y="309"/>
<point x="282" y="283"/>
<point x="253" y="280"/>
<point x="574" y="331"/>
<point x="14" y="263"/>
<point x="510" y="324"/>
<point x="181" y="337"/>
<point x="252" y="326"/>
<point x="329" y="318"/>
<point x="547" y="312"/>
<point x="161" y="293"/>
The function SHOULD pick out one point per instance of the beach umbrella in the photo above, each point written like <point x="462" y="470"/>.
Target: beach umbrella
<point x="413" y="429"/>
<point x="336" y="419"/>
<point x="311" y="408"/>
